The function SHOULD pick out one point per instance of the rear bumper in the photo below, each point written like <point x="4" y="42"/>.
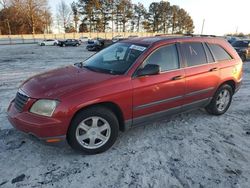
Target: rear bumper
<point x="43" y="128"/>
<point x="237" y="86"/>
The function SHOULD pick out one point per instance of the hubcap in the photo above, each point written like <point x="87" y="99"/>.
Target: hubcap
<point x="93" y="132"/>
<point x="223" y="100"/>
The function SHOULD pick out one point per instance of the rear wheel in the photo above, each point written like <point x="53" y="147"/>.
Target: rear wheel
<point x="221" y="100"/>
<point x="93" y="130"/>
<point x="243" y="57"/>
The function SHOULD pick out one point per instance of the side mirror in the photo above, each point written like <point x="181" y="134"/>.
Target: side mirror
<point x="149" y="69"/>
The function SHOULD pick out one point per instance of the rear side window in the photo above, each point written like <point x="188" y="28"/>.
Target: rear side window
<point x="219" y="53"/>
<point x="194" y="53"/>
<point x="166" y="57"/>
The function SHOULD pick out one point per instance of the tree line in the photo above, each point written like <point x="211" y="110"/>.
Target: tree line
<point x="25" y="17"/>
<point x="34" y="16"/>
<point x="123" y="15"/>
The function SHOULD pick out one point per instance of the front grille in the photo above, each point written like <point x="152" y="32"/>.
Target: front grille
<point x="20" y="101"/>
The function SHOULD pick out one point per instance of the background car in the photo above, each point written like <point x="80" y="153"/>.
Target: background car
<point x="243" y="48"/>
<point x="97" y="44"/>
<point x="83" y="39"/>
<point x="69" y="42"/>
<point x="118" y="38"/>
<point x="49" y="42"/>
<point x="231" y="39"/>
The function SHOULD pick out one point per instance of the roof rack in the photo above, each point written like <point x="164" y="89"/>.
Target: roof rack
<point x="198" y="35"/>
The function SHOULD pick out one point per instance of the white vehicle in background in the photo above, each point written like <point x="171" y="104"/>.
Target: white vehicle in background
<point x="117" y="38"/>
<point x="49" y="42"/>
<point x="83" y="39"/>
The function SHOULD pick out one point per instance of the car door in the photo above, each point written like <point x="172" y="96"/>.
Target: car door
<point x="157" y="95"/>
<point x="202" y="74"/>
<point x="68" y="42"/>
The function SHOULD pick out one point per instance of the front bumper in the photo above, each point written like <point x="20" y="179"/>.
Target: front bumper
<point x="44" y="128"/>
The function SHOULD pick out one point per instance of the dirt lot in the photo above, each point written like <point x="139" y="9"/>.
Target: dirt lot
<point x="190" y="150"/>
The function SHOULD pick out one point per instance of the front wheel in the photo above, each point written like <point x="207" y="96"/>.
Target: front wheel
<point x="221" y="100"/>
<point x="93" y="130"/>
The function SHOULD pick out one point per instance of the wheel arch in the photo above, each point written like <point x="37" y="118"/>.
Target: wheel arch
<point x="230" y="83"/>
<point x="113" y="107"/>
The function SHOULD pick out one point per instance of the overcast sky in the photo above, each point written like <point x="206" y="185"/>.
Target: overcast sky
<point x="221" y="16"/>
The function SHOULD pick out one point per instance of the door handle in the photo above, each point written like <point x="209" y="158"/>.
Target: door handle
<point x="214" y="69"/>
<point x="180" y="77"/>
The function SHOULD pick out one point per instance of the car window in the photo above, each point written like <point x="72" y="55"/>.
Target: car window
<point x="115" y="59"/>
<point x="118" y="55"/>
<point x="166" y="57"/>
<point x="194" y="53"/>
<point x="219" y="52"/>
<point x="210" y="58"/>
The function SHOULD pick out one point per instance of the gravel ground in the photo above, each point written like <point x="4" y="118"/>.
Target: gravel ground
<point x="189" y="150"/>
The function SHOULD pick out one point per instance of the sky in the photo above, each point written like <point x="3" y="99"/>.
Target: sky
<point x="220" y="16"/>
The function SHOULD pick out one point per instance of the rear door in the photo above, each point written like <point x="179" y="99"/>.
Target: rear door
<point x="156" y="94"/>
<point x="202" y="73"/>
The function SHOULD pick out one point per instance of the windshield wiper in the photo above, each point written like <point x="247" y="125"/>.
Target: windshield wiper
<point x="95" y="69"/>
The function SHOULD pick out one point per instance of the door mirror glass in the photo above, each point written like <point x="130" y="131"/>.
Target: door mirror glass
<point x="149" y="69"/>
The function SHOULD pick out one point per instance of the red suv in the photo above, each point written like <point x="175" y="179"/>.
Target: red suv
<point x="129" y="83"/>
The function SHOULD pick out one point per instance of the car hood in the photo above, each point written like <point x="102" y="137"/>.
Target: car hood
<point x="55" y="83"/>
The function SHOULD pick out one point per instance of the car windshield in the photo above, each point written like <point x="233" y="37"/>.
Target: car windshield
<point x="240" y="44"/>
<point x="115" y="59"/>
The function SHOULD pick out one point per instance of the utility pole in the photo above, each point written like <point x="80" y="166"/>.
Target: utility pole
<point x="203" y="23"/>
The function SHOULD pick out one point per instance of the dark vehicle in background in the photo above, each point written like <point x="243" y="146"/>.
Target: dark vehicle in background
<point x="69" y="42"/>
<point x="243" y="48"/>
<point x="97" y="44"/>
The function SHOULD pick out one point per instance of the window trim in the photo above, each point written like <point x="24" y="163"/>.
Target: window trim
<point x="205" y="44"/>
<point x="162" y="46"/>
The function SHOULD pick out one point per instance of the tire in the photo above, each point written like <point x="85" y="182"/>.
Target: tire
<point x="55" y="44"/>
<point x="77" y="45"/>
<point x="42" y="44"/>
<point x="83" y="129"/>
<point x="219" y="105"/>
<point x="63" y="45"/>
<point x="243" y="57"/>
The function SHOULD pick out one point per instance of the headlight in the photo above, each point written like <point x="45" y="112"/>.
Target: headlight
<point x="44" y="107"/>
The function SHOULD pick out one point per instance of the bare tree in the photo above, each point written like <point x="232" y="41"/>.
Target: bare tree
<point x="64" y="15"/>
<point x="75" y="14"/>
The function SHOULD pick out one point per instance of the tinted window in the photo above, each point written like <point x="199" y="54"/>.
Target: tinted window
<point x="166" y="57"/>
<point x="210" y="58"/>
<point x="194" y="53"/>
<point x="219" y="53"/>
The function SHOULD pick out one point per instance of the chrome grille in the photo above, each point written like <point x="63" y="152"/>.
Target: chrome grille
<point x="20" y="101"/>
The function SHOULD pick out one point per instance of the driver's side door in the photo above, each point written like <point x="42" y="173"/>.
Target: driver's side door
<point x="158" y="95"/>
